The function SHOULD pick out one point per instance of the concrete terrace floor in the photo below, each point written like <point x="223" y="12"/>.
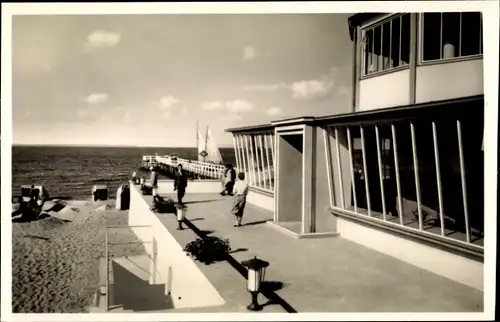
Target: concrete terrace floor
<point x="318" y="275"/>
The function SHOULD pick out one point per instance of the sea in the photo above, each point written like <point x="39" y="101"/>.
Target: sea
<point x="70" y="172"/>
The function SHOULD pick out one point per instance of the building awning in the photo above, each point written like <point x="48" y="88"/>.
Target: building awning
<point x="424" y="110"/>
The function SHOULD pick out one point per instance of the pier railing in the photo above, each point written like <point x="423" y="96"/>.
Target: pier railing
<point x="206" y="169"/>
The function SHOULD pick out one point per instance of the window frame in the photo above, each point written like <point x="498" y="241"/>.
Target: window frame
<point x="372" y="25"/>
<point x="463" y="246"/>
<point x="422" y="62"/>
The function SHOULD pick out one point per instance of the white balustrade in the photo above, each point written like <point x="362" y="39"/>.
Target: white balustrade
<point x="207" y="169"/>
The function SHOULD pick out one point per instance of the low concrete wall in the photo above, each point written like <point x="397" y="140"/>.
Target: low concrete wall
<point x="261" y="199"/>
<point x="194" y="186"/>
<point x="188" y="286"/>
<point x="454" y="267"/>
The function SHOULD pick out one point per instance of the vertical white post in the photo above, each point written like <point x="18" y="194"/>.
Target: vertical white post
<point x="249" y="162"/>
<point x="242" y="154"/>
<point x="268" y="165"/>
<point x="236" y="154"/>
<point x="396" y="168"/>
<point x="339" y="168"/>
<point x="256" y="175"/>
<point x="365" y="169"/>
<point x="106" y="268"/>
<point x="464" y="183"/>
<point x="417" y="181"/>
<point x="351" y="163"/>
<point x="242" y="165"/>
<point x="438" y="177"/>
<point x="380" y="172"/>
<point x="263" y="167"/>
<point x="272" y="138"/>
<point x="155" y="261"/>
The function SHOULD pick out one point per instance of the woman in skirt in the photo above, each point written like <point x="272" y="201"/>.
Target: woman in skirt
<point x="240" y="198"/>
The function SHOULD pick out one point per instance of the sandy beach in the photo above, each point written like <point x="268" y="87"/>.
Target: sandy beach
<point x="55" y="259"/>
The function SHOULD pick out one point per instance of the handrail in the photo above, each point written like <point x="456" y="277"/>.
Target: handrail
<point x="106" y="256"/>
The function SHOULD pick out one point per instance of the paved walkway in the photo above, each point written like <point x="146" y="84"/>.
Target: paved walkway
<point x="318" y="275"/>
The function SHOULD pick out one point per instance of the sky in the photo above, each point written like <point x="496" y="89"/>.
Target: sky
<point x="144" y="80"/>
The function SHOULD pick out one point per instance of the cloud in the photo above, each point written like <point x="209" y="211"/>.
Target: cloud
<point x="249" y="53"/>
<point x="127" y="115"/>
<point x="238" y="106"/>
<point x="167" y="102"/>
<point x="265" y="87"/>
<point x="103" y="39"/>
<point x="96" y="98"/>
<point x="82" y="113"/>
<point x="273" y="111"/>
<point x="213" y="106"/>
<point x="308" y="89"/>
<point x="303" y="89"/>
<point x="184" y="111"/>
<point x="235" y="106"/>
<point x="165" y="115"/>
<point x="28" y="113"/>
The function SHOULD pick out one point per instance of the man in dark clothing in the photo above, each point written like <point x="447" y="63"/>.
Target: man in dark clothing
<point x="154" y="182"/>
<point x="229" y="179"/>
<point x="180" y="183"/>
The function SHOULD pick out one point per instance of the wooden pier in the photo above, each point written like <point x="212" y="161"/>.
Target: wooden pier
<point x="194" y="169"/>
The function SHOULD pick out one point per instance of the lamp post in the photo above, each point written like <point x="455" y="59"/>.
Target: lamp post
<point x="256" y="273"/>
<point x="180" y="215"/>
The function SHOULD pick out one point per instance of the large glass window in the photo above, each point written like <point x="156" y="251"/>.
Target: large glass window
<point x="448" y="35"/>
<point x="255" y="155"/>
<point x="425" y="175"/>
<point x="386" y="45"/>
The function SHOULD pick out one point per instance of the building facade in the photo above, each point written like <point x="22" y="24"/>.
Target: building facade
<point x="403" y="173"/>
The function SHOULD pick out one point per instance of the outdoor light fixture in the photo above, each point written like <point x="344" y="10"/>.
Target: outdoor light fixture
<point x="142" y="181"/>
<point x="180" y="215"/>
<point x="256" y="273"/>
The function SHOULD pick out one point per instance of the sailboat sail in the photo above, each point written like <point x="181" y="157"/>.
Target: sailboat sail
<point x="201" y="148"/>
<point x="212" y="149"/>
<point x="207" y="148"/>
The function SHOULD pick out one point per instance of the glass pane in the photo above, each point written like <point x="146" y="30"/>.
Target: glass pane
<point x="431" y="35"/>
<point x="451" y="35"/>
<point x="367" y="49"/>
<point x="471" y="34"/>
<point x="396" y="38"/>
<point x="405" y="39"/>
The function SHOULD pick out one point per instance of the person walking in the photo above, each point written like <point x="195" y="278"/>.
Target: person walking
<point x="154" y="182"/>
<point x="180" y="183"/>
<point x="240" y="191"/>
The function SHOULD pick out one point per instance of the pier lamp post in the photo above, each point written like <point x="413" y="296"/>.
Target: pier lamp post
<point x="256" y="273"/>
<point x="181" y="214"/>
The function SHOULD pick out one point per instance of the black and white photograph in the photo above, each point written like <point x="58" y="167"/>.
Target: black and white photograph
<point x="241" y="161"/>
